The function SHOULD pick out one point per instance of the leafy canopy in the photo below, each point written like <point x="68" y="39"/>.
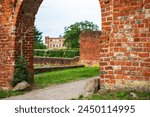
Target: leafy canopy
<point x="71" y="33"/>
<point x="38" y="43"/>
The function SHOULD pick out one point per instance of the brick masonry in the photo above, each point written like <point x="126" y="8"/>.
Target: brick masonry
<point x="89" y="48"/>
<point x="16" y="35"/>
<point x="55" y="68"/>
<point x="124" y="43"/>
<point x="52" y="61"/>
<point x="125" y="52"/>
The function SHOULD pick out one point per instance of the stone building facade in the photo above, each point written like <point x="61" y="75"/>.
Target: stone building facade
<point x="54" y="43"/>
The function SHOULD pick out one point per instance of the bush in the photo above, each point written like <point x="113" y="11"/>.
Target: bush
<point x="21" y="71"/>
<point x="57" y="53"/>
<point x="39" y="53"/>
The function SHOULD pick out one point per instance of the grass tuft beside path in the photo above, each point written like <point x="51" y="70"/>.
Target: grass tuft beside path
<point x="4" y="94"/>
<point x="64" y="76"/>
<point x="117" y="95"/>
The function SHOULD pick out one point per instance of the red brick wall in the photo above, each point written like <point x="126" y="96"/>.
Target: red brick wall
<point x="25" y="31"/>
<point x="89" y="48"/>
<point x="7" y="44"/>
<point x="124" y="43"/>
<point x="53" y="61"/>
<point x="126" y="61"/>
<point x="16" y="27"/>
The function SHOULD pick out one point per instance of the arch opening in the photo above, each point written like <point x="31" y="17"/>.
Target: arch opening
<point x="124" y="43"/>
<point x="22" y="22"/>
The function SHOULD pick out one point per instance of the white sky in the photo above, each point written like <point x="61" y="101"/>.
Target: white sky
<point x="54" y="15"/>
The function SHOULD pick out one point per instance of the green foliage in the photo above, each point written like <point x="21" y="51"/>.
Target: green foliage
<point x="118" y="95"/>
<point x="64" y="76"/>
<point x="38" y="44"/>
<point x="21" y="71"/>
<point x="57" y="53"/>
<point x="4" y="94"/>
<point x="39" y="53"/>
<point x="72" y="32"/>
<point x="121" y="94"/>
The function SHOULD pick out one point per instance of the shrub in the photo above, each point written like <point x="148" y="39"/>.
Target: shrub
<point x="39" y="53"/>
<point x="57" y="53"/>
<point x="21" y="71"/>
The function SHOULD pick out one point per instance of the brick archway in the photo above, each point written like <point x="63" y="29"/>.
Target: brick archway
<point x="16" y="35"/>
<point x="124" y="48"/>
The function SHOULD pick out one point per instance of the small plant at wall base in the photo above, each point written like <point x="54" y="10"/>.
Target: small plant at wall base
<point x="21" y="71"/>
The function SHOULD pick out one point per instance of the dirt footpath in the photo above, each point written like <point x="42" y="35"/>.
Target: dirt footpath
<point x="57" y="92"/>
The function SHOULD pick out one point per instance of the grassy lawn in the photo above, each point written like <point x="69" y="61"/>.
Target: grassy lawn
<point x="64" y="76"/>
<point x="56" y="77"/>
<point x="118" y="95"/>
<point x="4" y="94"/>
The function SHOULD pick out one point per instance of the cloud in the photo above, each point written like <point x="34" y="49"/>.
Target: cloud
<point x="54" y="15"/>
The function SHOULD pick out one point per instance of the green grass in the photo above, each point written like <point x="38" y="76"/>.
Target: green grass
<point x="4" y="94"/>
<point x="118" y="95"/>
<point x="64" y="76"/>
<point x="56" y="77"/>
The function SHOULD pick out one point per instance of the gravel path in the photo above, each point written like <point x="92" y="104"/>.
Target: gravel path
<point x="57" y="92"/>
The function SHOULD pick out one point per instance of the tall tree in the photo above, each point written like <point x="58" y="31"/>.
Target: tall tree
<point x="38" y="43"/>
<point x="71" y="33"/>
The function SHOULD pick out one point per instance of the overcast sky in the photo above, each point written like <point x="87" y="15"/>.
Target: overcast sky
<point x="54" y="15"/>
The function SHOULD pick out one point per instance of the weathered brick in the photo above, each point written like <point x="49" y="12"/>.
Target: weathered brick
<point x="130" y="36"/>
<point x="144" y="54"/>
<point x="89" y="48"/>
<point x="13" y="30"/>
<point x="125" y="29"/>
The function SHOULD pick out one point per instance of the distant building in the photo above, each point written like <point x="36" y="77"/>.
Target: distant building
<point x="55" y="43"/>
